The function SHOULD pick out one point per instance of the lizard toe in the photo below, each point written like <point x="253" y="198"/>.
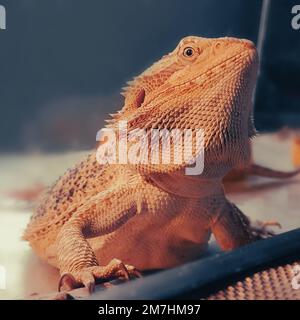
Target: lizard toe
<point x="263" y="229"/>
<point x="67" y="282"/>
<point x="88" y="281"/>
<point x="116" y="269"/>
<point x="133" y="271"/>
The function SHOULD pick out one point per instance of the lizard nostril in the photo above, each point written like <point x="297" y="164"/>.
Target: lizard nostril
<point x="218" y="45"/>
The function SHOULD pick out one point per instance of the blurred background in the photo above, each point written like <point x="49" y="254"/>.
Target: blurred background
<point x="63" y="62"/>
<point x="62" y="66"/>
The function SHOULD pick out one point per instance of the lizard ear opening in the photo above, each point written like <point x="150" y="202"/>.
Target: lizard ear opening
<point x="134" y="99"/>
<point x="140" y="98"/>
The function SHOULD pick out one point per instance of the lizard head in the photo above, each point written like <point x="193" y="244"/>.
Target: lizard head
<point x="202" y="84"/>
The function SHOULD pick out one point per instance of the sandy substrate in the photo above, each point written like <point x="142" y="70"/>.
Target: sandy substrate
<point x="260" y="198"/>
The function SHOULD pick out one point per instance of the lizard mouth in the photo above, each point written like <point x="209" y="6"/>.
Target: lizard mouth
<point x="249" y="55"/>
<point x="245" y="56"/>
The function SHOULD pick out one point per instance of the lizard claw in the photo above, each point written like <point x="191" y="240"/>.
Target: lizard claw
<point x="89" y="284"/>
<point x="133" y="271"/>
<point x="262" y="230"/>
<point x="87" y="277"/>
<point x="66" y="282"/>
<point x="270" y="223"/>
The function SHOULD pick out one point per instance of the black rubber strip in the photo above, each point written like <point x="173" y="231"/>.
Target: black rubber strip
<point x="205" y="273"/>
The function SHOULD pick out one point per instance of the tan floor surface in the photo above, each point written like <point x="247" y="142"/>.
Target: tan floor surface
<point x="260" y="198"/>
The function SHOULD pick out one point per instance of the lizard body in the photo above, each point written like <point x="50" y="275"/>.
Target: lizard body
<point x="102" y="221"/>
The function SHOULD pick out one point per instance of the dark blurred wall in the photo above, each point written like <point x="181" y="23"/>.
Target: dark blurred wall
<point x="62" y="62"/>
<point x="278" y="94"/>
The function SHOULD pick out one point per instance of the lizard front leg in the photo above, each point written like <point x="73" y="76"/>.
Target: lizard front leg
<point x="77" y="262"/>
<point x="233" y="229"/>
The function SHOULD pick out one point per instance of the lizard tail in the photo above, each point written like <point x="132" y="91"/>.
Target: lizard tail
<point x="257" y="170"/>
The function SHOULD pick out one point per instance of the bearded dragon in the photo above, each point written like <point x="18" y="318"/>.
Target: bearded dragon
<point x="101" y="221"/>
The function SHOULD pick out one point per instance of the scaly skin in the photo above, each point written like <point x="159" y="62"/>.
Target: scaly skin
<point x="153" y="215"/>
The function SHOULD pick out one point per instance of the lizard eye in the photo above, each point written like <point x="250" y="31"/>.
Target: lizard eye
<point x="188" y="52"/>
